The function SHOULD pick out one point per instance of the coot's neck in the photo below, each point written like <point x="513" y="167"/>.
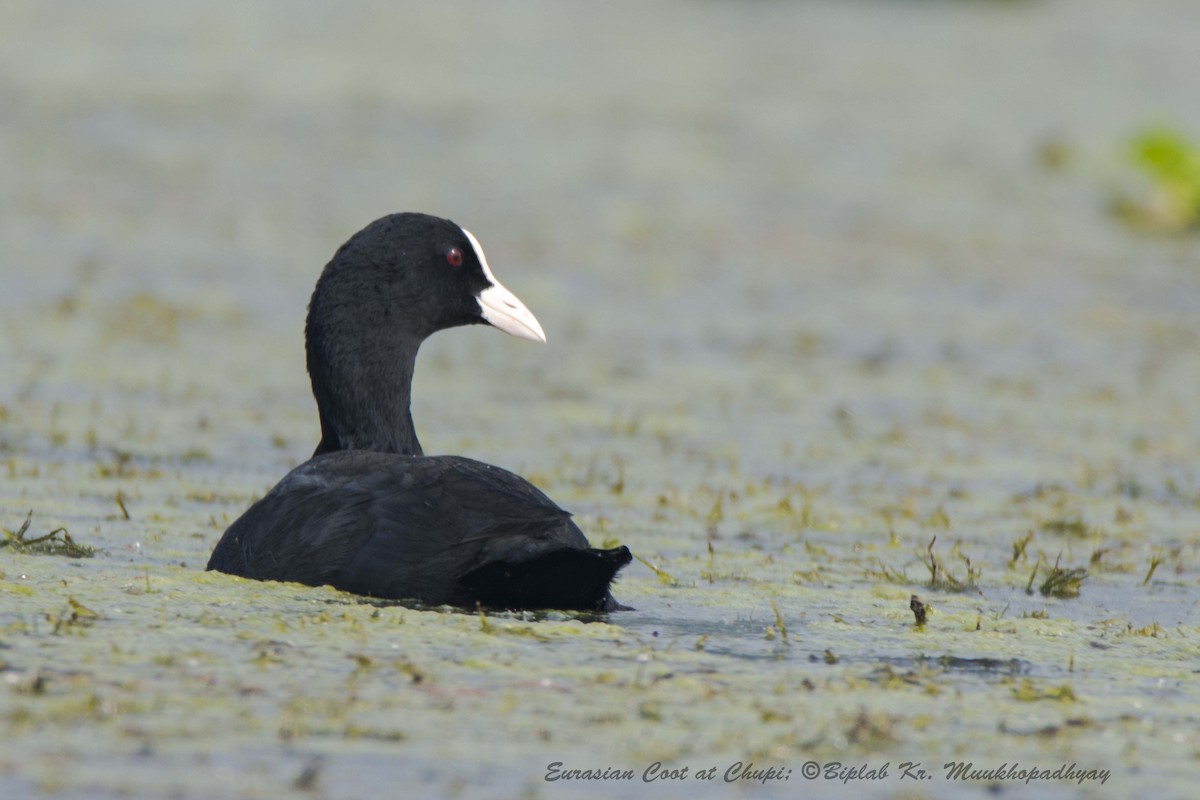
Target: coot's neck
<point x="362" y="381"/>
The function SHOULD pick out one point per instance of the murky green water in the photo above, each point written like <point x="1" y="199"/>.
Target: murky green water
<point x="811" y="301"/>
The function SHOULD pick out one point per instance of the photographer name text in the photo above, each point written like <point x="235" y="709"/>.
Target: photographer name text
<point x="832" y="771"/>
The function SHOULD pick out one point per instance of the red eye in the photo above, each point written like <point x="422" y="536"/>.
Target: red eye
<point x="454" y="257"/>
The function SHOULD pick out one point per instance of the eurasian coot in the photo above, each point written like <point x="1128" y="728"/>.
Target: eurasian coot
<point x="369" y="512"/>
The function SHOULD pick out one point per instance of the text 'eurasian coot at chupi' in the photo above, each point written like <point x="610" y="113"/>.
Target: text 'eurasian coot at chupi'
<point x="369" y="513"/>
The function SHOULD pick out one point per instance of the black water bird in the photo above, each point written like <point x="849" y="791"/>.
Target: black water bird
<point x="369" y="513"/>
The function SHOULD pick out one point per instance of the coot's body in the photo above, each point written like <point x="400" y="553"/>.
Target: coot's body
<point x="369" y="513"/>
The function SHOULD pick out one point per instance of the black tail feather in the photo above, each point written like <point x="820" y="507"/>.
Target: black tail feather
<point x="577" y="580"/>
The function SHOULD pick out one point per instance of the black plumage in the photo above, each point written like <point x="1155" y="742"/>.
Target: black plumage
<point x="369" y="513"/>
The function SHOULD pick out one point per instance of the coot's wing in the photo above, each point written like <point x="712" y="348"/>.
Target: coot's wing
<point x="307" y="526"/>
<point x="440" y="530"/>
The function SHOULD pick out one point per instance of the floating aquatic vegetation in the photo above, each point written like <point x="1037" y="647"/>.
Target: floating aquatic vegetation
<point x="1054" y="154"/>
<point x="1154" y="630"/>
<point x="940" y="577"/>
<point x="121" y="504"/>
<point x="1019" y="549"/>
<point x="147" y="318"/>
<point x="920" y="610"/>
<point x="55" y="543"/>
<point x="1028" y="691"/>
<point x="1154" y="562"/>
<point x="1060" y="582"/>
<point x="72" y="618"/>
<point x="1066" y="526"/>
<point x="1169" y="202"/>
<point x="663" y="575"/>
<point x="779" y="626"/>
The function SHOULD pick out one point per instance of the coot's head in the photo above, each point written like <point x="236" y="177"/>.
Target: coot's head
<point x="394" y="283"/>
<point x="417" y="274"/>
